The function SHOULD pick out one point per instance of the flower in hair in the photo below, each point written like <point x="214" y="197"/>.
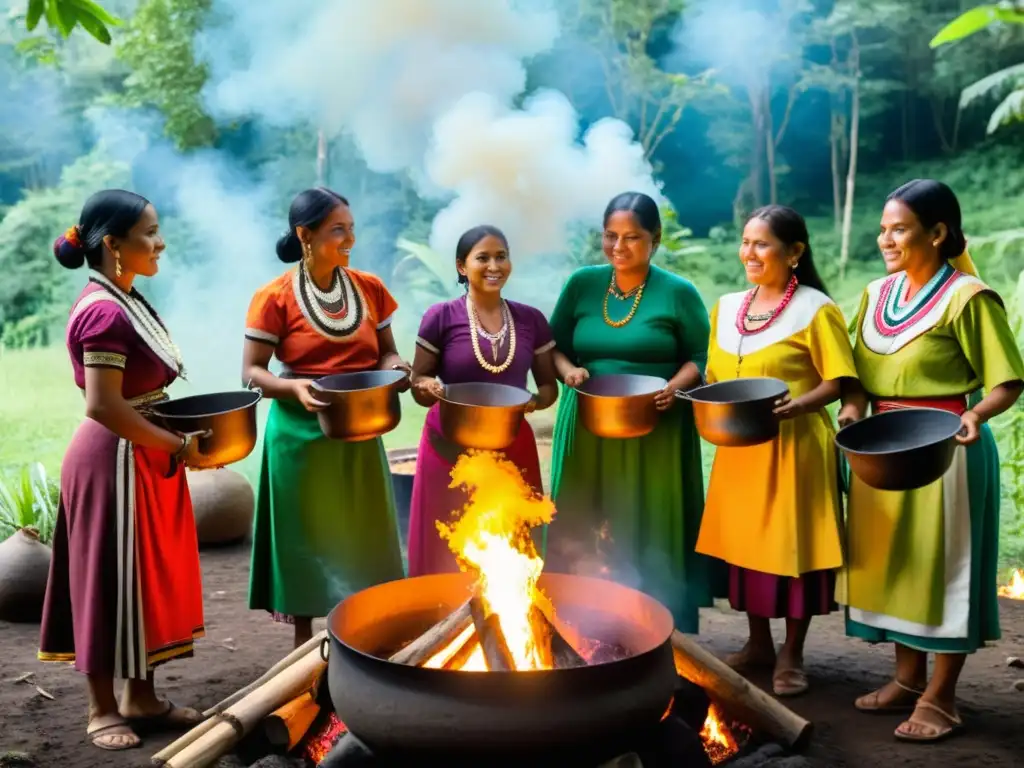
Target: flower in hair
<point x="73" y="236"/>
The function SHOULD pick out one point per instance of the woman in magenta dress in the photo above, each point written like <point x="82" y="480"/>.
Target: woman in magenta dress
<point x="124" y="591"/>
<point x="479" y="337"/>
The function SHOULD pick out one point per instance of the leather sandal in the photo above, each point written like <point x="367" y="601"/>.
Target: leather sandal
<point x="929" y="731"/>
<point x="172" y="718"/>
<point x="789" y="682"/>
<point x="106" y="731"/>
<point x="869" y="702"/>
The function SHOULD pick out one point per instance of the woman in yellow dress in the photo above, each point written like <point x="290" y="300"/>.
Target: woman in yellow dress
<point x="773" y="510"/>
<point x="921" y="564"/>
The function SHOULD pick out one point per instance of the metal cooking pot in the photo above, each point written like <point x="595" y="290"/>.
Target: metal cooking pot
<point x="403" y="711"/>
<point x="225" y="422"/>
<point x="482" y="415"/>
<point x="361" y="406"/>
<point x="619" y="405"/>
<point x="902" y="449"/>
<point x="737" y="413"/>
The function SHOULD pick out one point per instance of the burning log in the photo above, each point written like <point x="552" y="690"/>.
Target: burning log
<point x="461" y="656"/>
<point x="738" y="695"/>
<point x="492" y="639"/>
<point x="555" y="649"/>
<point x="211" y="720"/>
<point x="439" y="636"/>
<point x="285" y="727"/>
<point x="239" y="719"/>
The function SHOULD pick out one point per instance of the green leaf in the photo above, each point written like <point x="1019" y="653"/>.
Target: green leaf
<point x="61" y="16"/>
<point x="1005" y="77"/>
<point x="1010" y="110"/>
<point x="89" y="8"/>
<point x="35" y="12"/>
<point x="94" y="27"/>
<point x="975" y="20"/>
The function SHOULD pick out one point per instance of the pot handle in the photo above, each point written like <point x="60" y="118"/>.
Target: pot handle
<point x="685" y="394"/>
<point x="325" y="649"/>
<point x="251" y="388"/>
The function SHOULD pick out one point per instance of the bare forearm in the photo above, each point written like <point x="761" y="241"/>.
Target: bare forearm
<point x="390" y="361"/>
<point x="999" y="400"/>
<point x="823" y="394"/>
<point x="853" y="395"/>
<point x="123" y="420"/>
<point x="686" y="377"/>
<point x="563" y="365"/>
<point x="272" y="386"/>
<point x="547" y="394"/>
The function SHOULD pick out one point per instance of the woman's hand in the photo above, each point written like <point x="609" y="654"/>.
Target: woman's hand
<point x="430" y="387"/>
<point x="531" y="406"/>
<point x="576" y="376"/>
<point x="303" y="392"/>
<point x="970" y="428"/>
<point x="788" y="408"/>
<point x="666" y="398"/>
<point x="405" y="368"/>
<point x="849" y="413"/>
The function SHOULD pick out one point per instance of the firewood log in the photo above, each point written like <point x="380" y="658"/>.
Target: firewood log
<point x="461" y="656"/>
<point x="434" y="639"/>
<point x="737" y="695"/>
<point x="492" y="639"/>
<point x="286" y="725"/>
<point x="555" y="649"/>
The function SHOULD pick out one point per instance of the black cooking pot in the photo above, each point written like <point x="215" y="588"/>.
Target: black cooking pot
<point x="482" y="415"/>
<point x="430" y="713"/>
<point x="902" y="449"/>
<point x="361" y="405"/>
<point x="224" y="424"/>
<point x="738" y="412"/>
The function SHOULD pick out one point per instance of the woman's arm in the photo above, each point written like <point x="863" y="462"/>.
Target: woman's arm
<point x="826" y="392"/>
<point x="390" y="360"/>
<point x="546" y="379"/>
<point x="255" y="370"/>
<point x="105" y="404"/>
<point x="426" y="389"/>
<point x="855" y="402"/>
<point x="1000" y="399"/>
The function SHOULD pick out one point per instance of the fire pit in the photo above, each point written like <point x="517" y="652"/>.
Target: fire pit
<point x="461" y="683"/>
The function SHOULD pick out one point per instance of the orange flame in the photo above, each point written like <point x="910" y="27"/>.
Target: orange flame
<point x="719" y="743"/>
<point x="1015" y="589"/>
<point x="492" y="539"/>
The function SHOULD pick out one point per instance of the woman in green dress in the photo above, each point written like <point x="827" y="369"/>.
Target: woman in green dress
<point x="632" y="508"/>
<point x="921" y="564"/>
<point x="325" y="515"/>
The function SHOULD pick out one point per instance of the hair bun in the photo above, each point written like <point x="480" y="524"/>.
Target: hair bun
<point x="69" y="250"/>
<point x="289" y="249"/>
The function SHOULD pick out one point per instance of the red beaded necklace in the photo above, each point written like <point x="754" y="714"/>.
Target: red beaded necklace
<point x="741" y="316"/>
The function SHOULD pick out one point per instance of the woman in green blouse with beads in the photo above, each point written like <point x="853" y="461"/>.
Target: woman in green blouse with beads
<point x="631" y="508"/>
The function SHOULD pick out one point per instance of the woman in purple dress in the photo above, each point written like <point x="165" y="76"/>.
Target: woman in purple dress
<point x="480" y="337"/>
<point x="124" y="593"/>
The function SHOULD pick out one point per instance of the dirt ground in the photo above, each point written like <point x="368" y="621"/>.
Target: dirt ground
<point x="241" y="644"/>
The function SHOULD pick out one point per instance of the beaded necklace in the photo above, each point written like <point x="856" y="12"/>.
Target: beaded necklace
<point x="613" y="290"/>
<point x="744" y="316"/>
<point x="474" y="334"/>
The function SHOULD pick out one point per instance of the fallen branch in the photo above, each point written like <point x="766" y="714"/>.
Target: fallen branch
<point x="737" y="695"/>
<point x="435" y="639"/>
<point x="492" y="639"/>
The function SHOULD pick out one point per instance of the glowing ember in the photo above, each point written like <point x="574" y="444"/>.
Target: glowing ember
<point x="1015" y="589"/>
<point x="320" y="742"/>
<point x="492" y="539"/>
<point x="719" y="743"/>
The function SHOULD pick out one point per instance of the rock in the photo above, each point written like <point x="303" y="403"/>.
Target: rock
<point x="24" y="570"/>
<point x="1014" y="662"/>
<point x="223" y="503"/>
<point x="1019" y="685"/>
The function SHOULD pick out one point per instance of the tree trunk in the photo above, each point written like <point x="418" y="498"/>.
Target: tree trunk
<point x="321" y="158"/>
<point x="769" y="148"/>
<point x="851" y="174"/>
<point x="837" y="194"/>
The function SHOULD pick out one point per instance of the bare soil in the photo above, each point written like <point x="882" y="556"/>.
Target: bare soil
<point x="241" y="644"/>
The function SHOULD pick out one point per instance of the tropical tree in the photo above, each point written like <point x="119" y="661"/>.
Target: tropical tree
<point x="64" y="15"/>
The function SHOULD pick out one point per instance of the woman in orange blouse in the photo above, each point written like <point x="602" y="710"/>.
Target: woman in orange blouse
<point x="325" y="515"/>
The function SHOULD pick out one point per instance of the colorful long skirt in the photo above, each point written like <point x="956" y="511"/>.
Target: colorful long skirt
<point x="433" y="500"/>
<point x="922" y="564"/>
<point x="631" y="510"/>
<point x="782" y="597"/>
<point x="325" y="524"/>
<point x="124" y="592"/>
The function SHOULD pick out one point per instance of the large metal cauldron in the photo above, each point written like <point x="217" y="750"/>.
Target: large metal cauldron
<point x="224" y="422"/>
<point x="361" y="405"/>
<point x="902" y="449"/>
<point x="482" y="415"/>
<point x="430" y="713"/>
<point x="619" y="405"/>
<point x="737" y="413"/>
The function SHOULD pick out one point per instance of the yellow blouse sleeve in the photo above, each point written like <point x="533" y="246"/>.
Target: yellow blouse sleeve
<point x="709" y="373"/>
<point x="829" y="343"/>
<point x="988" y="343"/>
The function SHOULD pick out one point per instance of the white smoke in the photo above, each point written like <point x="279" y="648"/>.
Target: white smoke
<point x="429" y="88"/>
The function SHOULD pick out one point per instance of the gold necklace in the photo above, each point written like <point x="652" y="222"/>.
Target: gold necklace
<point x="474" y="336"/>
<point x="632" y="310"/>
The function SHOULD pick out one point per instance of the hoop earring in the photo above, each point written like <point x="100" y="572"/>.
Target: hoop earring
<point x="117" y="263"/>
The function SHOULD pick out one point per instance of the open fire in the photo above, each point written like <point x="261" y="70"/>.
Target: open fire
<point x="1015" y="589"/>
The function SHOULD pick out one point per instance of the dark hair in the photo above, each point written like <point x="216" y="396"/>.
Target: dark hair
<point x="308" y="209"/>
<point x="790" y="227"/>
<point x="109" y="212"/>
<point x="642" y="206"/>
<point x="934" y="203"/>
<point x="469" y="240"/>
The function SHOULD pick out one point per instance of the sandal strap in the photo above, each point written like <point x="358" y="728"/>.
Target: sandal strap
<point x="907" y="688"/>
<point x="950" y="718"/>
<point x="97" y="732"/>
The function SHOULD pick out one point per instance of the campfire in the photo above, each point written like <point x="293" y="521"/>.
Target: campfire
<point x="1015" y="588"/>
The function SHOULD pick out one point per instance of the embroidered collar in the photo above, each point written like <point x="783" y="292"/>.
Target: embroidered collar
<point x="894" y="313"/>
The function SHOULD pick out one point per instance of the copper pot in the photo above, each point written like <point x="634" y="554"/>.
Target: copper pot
<point x="619" y="405"/>
<point x="482" y="415"/>
<point x="222" y="423"/>
<point x="361" y="406"/>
